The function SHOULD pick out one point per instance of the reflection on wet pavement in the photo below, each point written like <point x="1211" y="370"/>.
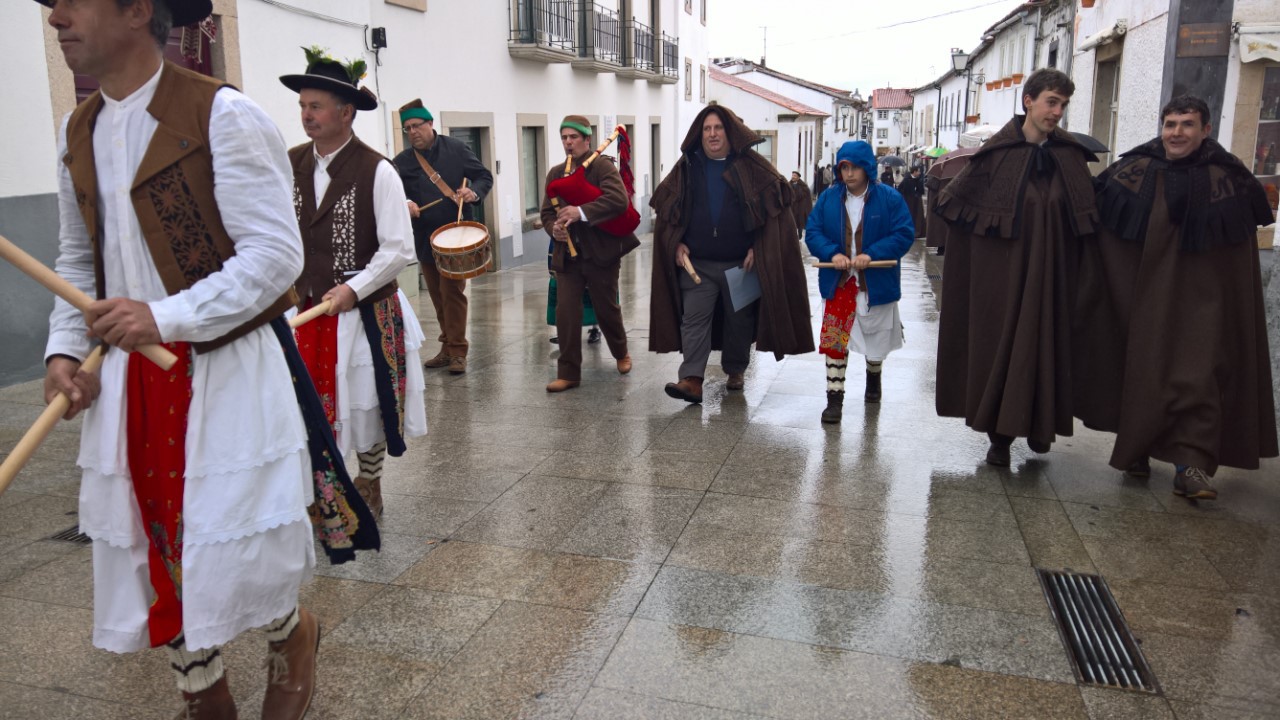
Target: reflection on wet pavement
<point x="609" y="552"/>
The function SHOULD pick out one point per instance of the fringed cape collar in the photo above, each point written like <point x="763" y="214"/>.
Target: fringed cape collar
<point x="1210" y="195"/>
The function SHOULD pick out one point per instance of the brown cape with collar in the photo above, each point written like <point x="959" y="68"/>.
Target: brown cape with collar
<point x="1170" y="339"/>
<point x="1004" y="351"/>
<point x="784" y="324"/>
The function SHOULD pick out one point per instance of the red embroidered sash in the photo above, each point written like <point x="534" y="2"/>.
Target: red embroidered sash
<point x="156" y="424"/>
<point x="837" y="320"/>
<point x="318" y="345"/>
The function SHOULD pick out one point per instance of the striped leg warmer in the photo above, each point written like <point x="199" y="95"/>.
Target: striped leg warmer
<point x="371" y="461"/>
<point x="835" y="374"/>
<point x="196" y="670"/>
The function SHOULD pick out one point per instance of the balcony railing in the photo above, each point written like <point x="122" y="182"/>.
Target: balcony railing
<point x="600" y="42"/>
<point x="545" y="30"/>
<point x="670" y="60"/>
<point x="639" y="59"/>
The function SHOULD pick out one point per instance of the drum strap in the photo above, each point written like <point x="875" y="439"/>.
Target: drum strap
<point x="434" y="176"/>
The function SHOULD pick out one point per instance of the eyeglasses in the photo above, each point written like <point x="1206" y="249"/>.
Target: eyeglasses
<point x="414" y="127"/>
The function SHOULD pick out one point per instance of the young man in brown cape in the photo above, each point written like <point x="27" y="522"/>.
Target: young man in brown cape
<point x="801" y="200"/>
<point x="1015" y="212"/>
<point x="724" y="206"/>
<point x="1172" y="343"/>
<point x="599" y="259"/>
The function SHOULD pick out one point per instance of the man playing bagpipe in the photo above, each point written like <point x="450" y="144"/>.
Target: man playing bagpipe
<point x="586" y="256"/>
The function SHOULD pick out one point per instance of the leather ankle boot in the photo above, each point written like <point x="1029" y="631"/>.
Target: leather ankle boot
<point x="291" y="671"/>
<point x="835" y="407"/>
<point x="212" y="703"/>
<point x="873" y="387"/>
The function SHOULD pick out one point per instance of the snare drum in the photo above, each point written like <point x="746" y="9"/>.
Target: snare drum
<point x="461" y="250"/>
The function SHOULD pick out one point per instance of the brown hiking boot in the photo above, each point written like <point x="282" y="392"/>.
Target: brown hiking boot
<point x="440" y="360"/>
<point x="624" y="364"/>
<point x="736" y="381"/>
<point x="458" y="364"/>
<point x="1193" y="484"/>
<point x="214" y="703"/>
<point x="560" y="385"/>
<point x="689" y="389"/>
<point x="291" y="671"/>
<point x="371" y="490"/>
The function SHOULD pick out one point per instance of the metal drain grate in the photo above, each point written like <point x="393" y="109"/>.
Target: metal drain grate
<point x="1102" y="649"/>
<point x="72" y="534"/>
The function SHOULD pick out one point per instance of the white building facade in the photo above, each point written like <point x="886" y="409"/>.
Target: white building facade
<point x="790" y="129"/>
<point x="497" y="74"/>
<point x="891" y="120"/>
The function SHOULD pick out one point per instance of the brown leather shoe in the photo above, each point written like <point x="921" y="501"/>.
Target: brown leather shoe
<point x="458" y="364"/>
<point x="736" y="381"/>
<point x="688" y="389"/>
<point x="291" y="671"/>
<point x="371" y="490"/>
<point x="440" y="360"/>
<point x="624" y="364"/>
<point x="215" y="703"/>
<point x="560" y="385"/>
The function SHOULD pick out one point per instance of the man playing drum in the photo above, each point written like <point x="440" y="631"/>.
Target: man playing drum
<point x="362" y="355"/>
<point x="599" y="258"/>
<point x="432" y="171"/>
<point x="197" y="479"/>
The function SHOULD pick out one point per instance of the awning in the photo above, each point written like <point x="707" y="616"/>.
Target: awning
<point x="978" y="135"/>
<point x="1116" y="30"/>
<point x="1259" y="42"/>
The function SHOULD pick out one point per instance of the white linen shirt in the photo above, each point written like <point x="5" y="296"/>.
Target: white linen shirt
<point x="251" y="174"/>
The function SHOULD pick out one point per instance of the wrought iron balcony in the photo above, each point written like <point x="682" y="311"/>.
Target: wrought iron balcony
<point x="669" y="69"/>
<point x="638" y="62"/>
<point x="600" y="39"/>
<point x="543" y="30"/>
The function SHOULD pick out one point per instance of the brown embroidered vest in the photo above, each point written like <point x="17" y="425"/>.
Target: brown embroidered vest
<point x="172" y="192"/>
<point x="340" y="234"/>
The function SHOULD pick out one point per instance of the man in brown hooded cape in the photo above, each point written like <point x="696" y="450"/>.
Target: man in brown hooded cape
<point x="763" y="223"/>
<point x="1171" y="345"/>
<point x="1015" y="213"/>
<point x="801" y="201"/>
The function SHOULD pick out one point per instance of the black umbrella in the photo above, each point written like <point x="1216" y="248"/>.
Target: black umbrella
<point x="893" y="161"/>
<point x="1090" y="143"/>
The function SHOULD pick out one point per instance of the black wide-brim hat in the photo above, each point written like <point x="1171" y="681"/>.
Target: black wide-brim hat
<point x="332" y="77"/>
<point x="185" y="12"/>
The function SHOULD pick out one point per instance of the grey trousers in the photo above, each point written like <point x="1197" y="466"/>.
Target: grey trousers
<point x="699" y="309"/>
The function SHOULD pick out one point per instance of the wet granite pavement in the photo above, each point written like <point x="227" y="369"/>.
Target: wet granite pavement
<point x="609" y="552"/>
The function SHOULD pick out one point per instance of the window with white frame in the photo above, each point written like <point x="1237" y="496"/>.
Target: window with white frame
<point x="688" y="79"/>
<point x="882" y="134"/>
<point x="531" y="174"/>
<point x="702" y="84"/>
<point x="882" y="114"/>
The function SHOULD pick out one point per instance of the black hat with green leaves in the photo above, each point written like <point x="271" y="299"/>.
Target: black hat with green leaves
<point x="341" y="79"/>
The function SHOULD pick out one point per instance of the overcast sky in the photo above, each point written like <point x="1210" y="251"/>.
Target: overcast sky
<point x="846" y="43"/>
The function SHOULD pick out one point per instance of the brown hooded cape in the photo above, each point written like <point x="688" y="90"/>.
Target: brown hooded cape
<point x="1171" y="339"/>
<point x="783" y="326"/>
<point x="1004" y="351"/>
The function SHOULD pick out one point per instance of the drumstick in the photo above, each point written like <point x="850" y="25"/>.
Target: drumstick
<point x="433" y="203"/>
<point x="464" y="187"/>
<point x="872" y="264"/>
<point x="573" y="251"/>
<point x="43" y="425"/>
<point x="311" y="313"/>
<point x="72" y="294"/>
<point x="688" y="267"/>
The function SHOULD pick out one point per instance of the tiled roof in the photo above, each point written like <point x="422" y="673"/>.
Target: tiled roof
<point x="750" y="66"/>
<point x="798" y="108"/>
<point x="882" y="98"/>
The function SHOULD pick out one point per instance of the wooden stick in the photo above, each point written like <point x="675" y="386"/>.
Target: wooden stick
<point x="72" y="294"/>
<point x="433" y="203"/>
<point x="688" y="267"/>
<point x="573" y="251"/>
<point x="464" y="187"/>
<point x="43" y="425"/>
<point x="873" y="264"/>
<point x="607" y="141"/>
<point x="310" y="314"/>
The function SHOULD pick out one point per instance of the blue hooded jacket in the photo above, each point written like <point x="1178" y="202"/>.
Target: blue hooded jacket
<point x="887" y="230"/>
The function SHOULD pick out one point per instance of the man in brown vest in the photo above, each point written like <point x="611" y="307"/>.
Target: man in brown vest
<point x="196" y="479"/>
<point x="599" y="256"/>
<point x="363" y="356"/>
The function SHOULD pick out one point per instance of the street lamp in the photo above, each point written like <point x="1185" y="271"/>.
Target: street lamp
<point x="960" y="63"/>
<point x="845" y="111"/>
